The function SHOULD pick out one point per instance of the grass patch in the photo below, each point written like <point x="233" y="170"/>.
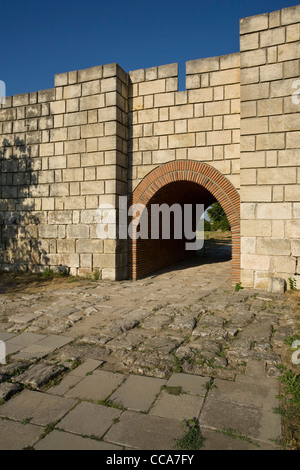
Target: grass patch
<point x="209" y="385"/>
<point x="238" y="286"/>
<point x="50" y="427"/>
<point x="292" y="283"/>
<point x="177" y="364"/>
<point x="26" y="421"/>
<point x="111" y="404"/>
<point x="290" y="339"/>
<point x="172" y="390"/>
<point x="236" y="435"/>
<point x="289" y="408"/>
<point x="192" y="439"/>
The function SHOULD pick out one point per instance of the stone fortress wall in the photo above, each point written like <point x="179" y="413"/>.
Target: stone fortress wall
<point x="100" y="132"/>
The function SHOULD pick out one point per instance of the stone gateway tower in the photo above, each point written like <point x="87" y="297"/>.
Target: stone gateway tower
<point x="233" y="136"/>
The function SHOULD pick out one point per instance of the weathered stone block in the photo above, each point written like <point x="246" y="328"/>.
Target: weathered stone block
<point x="290" y="15"/>
<point x="270" y="141"/>
<point x="91" y="102"/>
<point x="58" y="107"/>
<point x="163" y="156"/>
<point x="271" y="72"/>
<point x="91" y="88"/>
<point x="152" y="87"/>
<point x="78" y="231"/>
<point x="137" y="76"/>
<point x="249" y="42"/>
<point x="75" y="146"/>
<point x="21" y="99"/>
<point x="182" y="140"/>
<point x="200" y="124"/>
<point x="256" y="228"/>
<point x="292" y="140"/>
<point x="275" y="176"/>
<point x="292" y="229"/>
<point x="93" y="73"/>
<point x="202" y="65"/>
<point x="273" y="246"/>
<point x="192" y="81"/>
<point x="254" y="126"/>
<point x="269" y="107"/>
<point x="109" y="84"/>
<point x="217" y="108"/>
<point x="284" y="264"/>
<point x="285" y="122"/>
<point x="92" y="187"/>
<point x="219" y="137"/>
<point x="59" y="189"/>
<point x="56" y="162"/>
<point x="254" y="92"/>
<point x="272" y="37"/>
<point x="254" y="23"/>
<point x="46" y="150"/>
<point x="72" y="91"/>
<point x="57" y="135"/>
<point x="200" y="96"/>
<point x="277" y="285"/>
<point x="295" y="247"/>
<point x="164" y="128"/>
<point x="292" y="192"/>
<point x="48" y="231"/>
<point x="181" y="111"/>
<point x="248" y="245"/>
<point x="274" y="211"/>
<point x="89" y="246"/>
<point x="255" y="262"/>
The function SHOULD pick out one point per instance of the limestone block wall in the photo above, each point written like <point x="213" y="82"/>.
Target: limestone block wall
<point x="201" y="123"/>
<point x="63" y="152"/>
<point x="100" y="133"/>
<point x="270" y="141"/>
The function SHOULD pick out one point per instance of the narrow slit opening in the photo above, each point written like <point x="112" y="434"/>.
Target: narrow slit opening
<point x="181" y="76"/>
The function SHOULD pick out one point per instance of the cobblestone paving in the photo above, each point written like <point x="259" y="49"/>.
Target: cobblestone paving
<point x="77" y="350"/>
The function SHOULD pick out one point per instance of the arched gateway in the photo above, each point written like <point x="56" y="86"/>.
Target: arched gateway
<point x="187" y="178"/>
<point x="102" y="133"/>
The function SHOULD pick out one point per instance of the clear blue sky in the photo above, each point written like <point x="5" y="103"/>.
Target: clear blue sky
<point x="40" y="38"/>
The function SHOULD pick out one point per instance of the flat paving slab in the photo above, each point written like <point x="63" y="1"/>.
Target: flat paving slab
<point x="189" y="383"/>
<point x="144" y="432"/>
<point x="26" y="338"/>
<point x="136" y="329"/>
<point x="6" y="336"/>
<point x="40" y="408"/>
<point x="59" y="440"/>
<point x="33" y="351"/>
<point x="17" y="436"/>
<point x="65" y="385"/>
<point x="88" y="366"/>
<point x="54" y="341"/>
<point x="138" y="392"/>
<point x="248" y="392"/>
<point x="247" y="421"/>
<point x="27" y="345"/>
<point x="177" y="407"/>
<point x="216" y="440"/>
<point x="97" y="386"/>
<point x="89" y="419"/>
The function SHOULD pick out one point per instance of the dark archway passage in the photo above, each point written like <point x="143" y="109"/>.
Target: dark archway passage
<point x="182" y="182"/>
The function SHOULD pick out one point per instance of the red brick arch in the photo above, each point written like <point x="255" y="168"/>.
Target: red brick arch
<point x="204" y="175"/>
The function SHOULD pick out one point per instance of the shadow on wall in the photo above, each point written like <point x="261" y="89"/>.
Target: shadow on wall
<point x="21" y="249"/>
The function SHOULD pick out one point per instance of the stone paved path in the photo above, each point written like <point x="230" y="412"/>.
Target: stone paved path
<point x="121" y="365"/>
